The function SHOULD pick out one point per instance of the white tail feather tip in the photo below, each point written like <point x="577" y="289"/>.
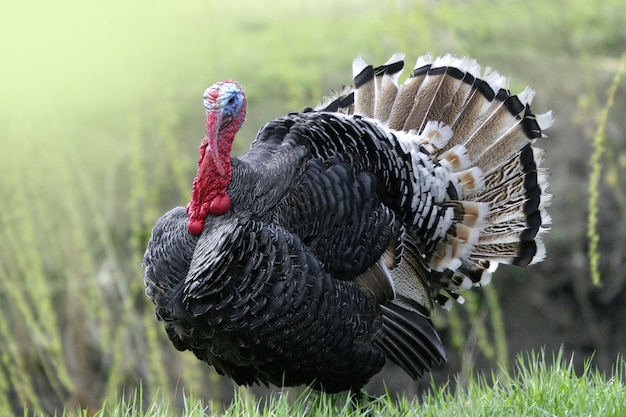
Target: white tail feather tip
<point x="466" y="284"/>
<point x="358" y="65"/>
<point x="397" y="57"/>
<point x="541" y="252"/>
<point x="495" y="80"/>
<point x="447" y="60"/>
<point x="544" y="120"/>
<point x="526" y="96"/>
<point x="426" y="59"/>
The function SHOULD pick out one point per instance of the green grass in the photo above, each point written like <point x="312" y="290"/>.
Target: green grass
<point x="539" y="387"/>
<point x="599" y="147"/>
<point x="100" y="120"/>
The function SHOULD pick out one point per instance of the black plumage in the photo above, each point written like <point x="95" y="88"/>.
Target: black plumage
<point x="323" y="249"/>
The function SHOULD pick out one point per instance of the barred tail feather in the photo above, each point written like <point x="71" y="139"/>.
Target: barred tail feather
<point x="387" y="86"/>
<point x="481" y="137"/>
<point x="364" y="88"/>
<point x="490" y="150"/>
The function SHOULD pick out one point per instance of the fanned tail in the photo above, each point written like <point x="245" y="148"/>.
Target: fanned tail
<point x="471" y="146"/>
<point x="468" y="122"/>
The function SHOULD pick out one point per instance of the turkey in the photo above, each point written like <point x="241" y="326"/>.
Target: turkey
<point x="325" y="248"/>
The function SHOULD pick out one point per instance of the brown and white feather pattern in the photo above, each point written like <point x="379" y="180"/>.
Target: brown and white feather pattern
<point x="462" y="127"/>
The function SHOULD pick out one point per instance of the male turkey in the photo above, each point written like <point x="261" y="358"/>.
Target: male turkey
<point x="325" y="247"/>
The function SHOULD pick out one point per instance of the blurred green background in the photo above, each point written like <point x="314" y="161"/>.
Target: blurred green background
<point x="101" y="117"/>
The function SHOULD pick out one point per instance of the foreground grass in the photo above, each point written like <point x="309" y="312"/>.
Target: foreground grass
<point x="539" y="387"/>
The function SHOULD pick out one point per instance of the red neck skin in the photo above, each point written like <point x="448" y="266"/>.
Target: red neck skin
<point x="214" y="173"/>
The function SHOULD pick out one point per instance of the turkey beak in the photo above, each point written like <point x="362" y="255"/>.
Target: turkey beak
<point x="213" y="122"/>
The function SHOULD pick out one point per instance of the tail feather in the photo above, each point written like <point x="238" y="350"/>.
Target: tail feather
<point x="521" y="253"/>
<point x="410" y="341"/>
<point x="387" y="86"/>
<point x="364" y="88"/>
<point x="502" y="135"/>
<point x="480" y="136"/>
<point x="473" y="110"/>
<point x="405" y="98"/>
<point x="447" y="94"/>
<point x="410" y="276"/>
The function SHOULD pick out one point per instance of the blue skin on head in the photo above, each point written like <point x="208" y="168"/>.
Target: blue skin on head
<point x="227" y="97"/>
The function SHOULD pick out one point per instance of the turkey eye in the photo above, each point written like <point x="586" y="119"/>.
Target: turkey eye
<point x="231" y="100"/>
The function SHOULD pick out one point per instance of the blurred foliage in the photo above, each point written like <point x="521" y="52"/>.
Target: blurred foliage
<point x="596" y="160"/>
<point x="100" y="119"/>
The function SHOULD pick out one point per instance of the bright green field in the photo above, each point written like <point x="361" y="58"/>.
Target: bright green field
<point x="100" y="120"/>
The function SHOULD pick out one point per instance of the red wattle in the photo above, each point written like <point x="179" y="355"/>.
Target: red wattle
<point x="195" y="227"/>
<point x="219" y="205"/>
